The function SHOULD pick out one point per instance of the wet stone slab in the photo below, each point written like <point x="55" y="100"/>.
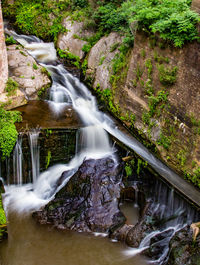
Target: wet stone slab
<point x="45" y="115"/>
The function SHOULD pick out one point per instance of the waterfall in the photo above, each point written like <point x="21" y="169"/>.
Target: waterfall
<point x="93" y="142"/>
<point x="17" y="161"/>
<point x="35" y="153"/>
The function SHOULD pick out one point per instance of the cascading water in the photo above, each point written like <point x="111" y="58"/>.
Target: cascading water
<point x="35" y="153"/>
<point x="17" y="161"/>
<point x="93" y="142"/>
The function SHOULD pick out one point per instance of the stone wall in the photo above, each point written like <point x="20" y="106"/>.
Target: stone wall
<point x="56" y="146"/>
<point x="3" y="56"/>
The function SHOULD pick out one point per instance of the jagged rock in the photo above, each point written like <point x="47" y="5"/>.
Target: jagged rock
<point x="89" y="201"/>
<point x="71" y="40"/>
<point x="100" y="59"/>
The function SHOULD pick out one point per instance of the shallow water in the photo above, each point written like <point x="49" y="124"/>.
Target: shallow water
<point x="32" y="244"/>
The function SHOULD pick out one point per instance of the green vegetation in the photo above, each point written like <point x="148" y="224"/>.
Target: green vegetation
<point x="119" y="63"/>
<point x="194" y="177"/>
<point x="8" y="132"/>
<point x="48" y="159"/>
<point x="10" y="40"/>
<point x="102" y="60"/>
<point x="171" y="19"/>
<point x="35" y="67"/>
<point x="73" y="59"/>
<point x="2" y="219"/>
<point x="40" y="18"/>
<point x="167" y="75"/>
<point x="11" y="87"/>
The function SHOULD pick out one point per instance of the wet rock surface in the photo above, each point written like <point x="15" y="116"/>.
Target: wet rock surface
<point x="42" y="114"/>
<point x="183" y="250"/>
<point x="89" y="201"/>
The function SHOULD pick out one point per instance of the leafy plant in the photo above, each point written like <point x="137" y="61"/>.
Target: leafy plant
<point x="10" y="40"/>
<point x="75" y="60"/>
<point x="172" y="19"/>
<point x="11" y="87"/>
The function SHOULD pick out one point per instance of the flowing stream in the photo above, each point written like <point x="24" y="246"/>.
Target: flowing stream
<point x="92" y="142"/>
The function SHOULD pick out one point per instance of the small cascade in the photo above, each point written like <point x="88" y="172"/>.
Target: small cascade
<point x="135" y="186"/>
<point x="171" y="213"/>
<point x="35" y="153"/>
<point x="93" y="142"/>
<point x="17" y="161"/>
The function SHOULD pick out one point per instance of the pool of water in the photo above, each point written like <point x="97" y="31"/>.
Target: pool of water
<point x="32" y="244"/>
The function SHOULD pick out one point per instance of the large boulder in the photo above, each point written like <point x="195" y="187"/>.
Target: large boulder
<point x="72" y="39"/>
<point x="29" y="76"/>
<point x="89" y="201"/>
<point x="100" y="59"/>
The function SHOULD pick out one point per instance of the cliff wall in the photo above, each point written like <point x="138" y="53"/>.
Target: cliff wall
<point x="3" y="56"/>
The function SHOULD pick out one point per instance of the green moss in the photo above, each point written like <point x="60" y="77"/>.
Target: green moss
<point x="48" y="159"/>
<point x="35" y="67"/>
<point x="164" y="141"/>
<point x="102" y="60"/>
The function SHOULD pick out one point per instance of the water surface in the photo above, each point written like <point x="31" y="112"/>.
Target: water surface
<point x="32" y="244"/>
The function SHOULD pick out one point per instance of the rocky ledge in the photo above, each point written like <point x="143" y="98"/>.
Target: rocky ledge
<point x="28" y="77"/>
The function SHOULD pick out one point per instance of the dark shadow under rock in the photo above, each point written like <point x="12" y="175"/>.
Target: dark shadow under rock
<point x="89" y="201"/>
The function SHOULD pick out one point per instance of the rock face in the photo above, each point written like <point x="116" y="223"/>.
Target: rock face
<point x="3" y="56"/>
<point x="177" y="119"/>
<point x="71" y="40"/>
<point x="89" y="201"/>
<point x="30" y="77"/>
<point x="100" y="58"/>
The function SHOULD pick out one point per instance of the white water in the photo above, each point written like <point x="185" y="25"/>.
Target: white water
<point x="17" y="161"/>
<point x="93" y="142"/>
<point x="33" y="136"/>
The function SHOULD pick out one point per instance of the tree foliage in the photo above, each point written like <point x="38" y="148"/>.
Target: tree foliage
<point x="172" y="19"/>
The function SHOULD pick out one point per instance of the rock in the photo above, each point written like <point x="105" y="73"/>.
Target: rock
<point x="14" y="101"/>
<point x="30" y="77"/>
<point x="71" y="39"/>
<point x="138" y="232"/>
<point x="100" y="59"/>
<point x="89" y="201"/>
<point x="3" y="56"/>
<point x="26" y="72"/>
<point x="183" y="250"/>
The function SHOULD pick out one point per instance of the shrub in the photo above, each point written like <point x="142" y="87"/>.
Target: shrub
<point x="172" y="19"/>
<point x="8" y="132"/>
